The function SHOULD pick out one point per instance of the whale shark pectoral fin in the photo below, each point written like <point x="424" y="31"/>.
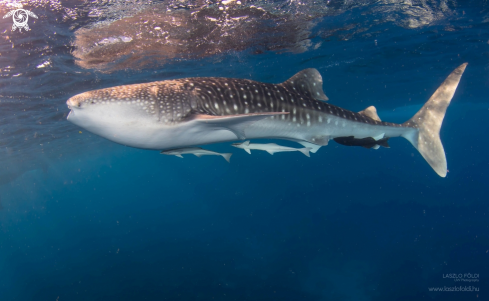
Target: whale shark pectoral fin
<point x="307" y="82"/>
<point x="234" y="123"/>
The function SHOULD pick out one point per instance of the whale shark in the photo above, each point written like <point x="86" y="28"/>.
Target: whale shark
<point x="187" y="112"/>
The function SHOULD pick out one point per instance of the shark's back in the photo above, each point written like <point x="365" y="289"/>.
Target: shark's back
<point x="178" y="100"/>
<point x="227" y="96"/>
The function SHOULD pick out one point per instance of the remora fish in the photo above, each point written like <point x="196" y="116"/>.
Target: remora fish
<point x="270" y="148"/>
<point x="194" y="111"/>
<point x="197" y="151"/>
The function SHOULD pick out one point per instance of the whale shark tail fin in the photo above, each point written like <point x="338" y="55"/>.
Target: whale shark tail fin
<point x="428" y="122"/>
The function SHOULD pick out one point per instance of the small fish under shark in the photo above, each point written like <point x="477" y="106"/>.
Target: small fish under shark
<point x="197" y="151"/>
<point x="182" y="113"/>
<point x="271" y="148"/>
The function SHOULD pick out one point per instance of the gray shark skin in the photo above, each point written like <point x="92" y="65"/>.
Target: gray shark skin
<point x="197" y="151"/>
<point x="270" y="148"/>
<point x="186" y="112"/>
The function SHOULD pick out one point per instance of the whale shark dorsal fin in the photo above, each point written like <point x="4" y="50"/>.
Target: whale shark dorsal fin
<point x="234" y="123"/>
<point x="371" y="112"/>
<point x="307" y="82"/>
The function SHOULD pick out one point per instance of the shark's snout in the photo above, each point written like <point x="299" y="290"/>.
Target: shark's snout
<point x="71" y="103"/>
<point x="76" y="101"/>
<point x="75" y="104"/>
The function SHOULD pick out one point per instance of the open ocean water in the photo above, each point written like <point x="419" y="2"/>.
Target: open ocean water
<point x="83" y="218"/>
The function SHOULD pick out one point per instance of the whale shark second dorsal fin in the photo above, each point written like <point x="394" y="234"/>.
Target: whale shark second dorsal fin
<point x="307" y="82"/>
<point x="371" y="112"/>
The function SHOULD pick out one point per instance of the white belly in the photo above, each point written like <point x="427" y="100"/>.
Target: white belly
<point x="136" y="129"/>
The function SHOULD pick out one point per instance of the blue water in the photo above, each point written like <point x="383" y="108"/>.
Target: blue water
<point x="83" y="218"/>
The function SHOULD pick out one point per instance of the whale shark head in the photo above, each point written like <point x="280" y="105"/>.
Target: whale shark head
<point x="126" y="115"/>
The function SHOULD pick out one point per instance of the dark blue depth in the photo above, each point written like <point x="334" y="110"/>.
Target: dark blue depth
<point x="86" y="219"/>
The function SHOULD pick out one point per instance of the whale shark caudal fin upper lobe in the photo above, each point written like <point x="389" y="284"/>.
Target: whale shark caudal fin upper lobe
<point x="428" y="121"/>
